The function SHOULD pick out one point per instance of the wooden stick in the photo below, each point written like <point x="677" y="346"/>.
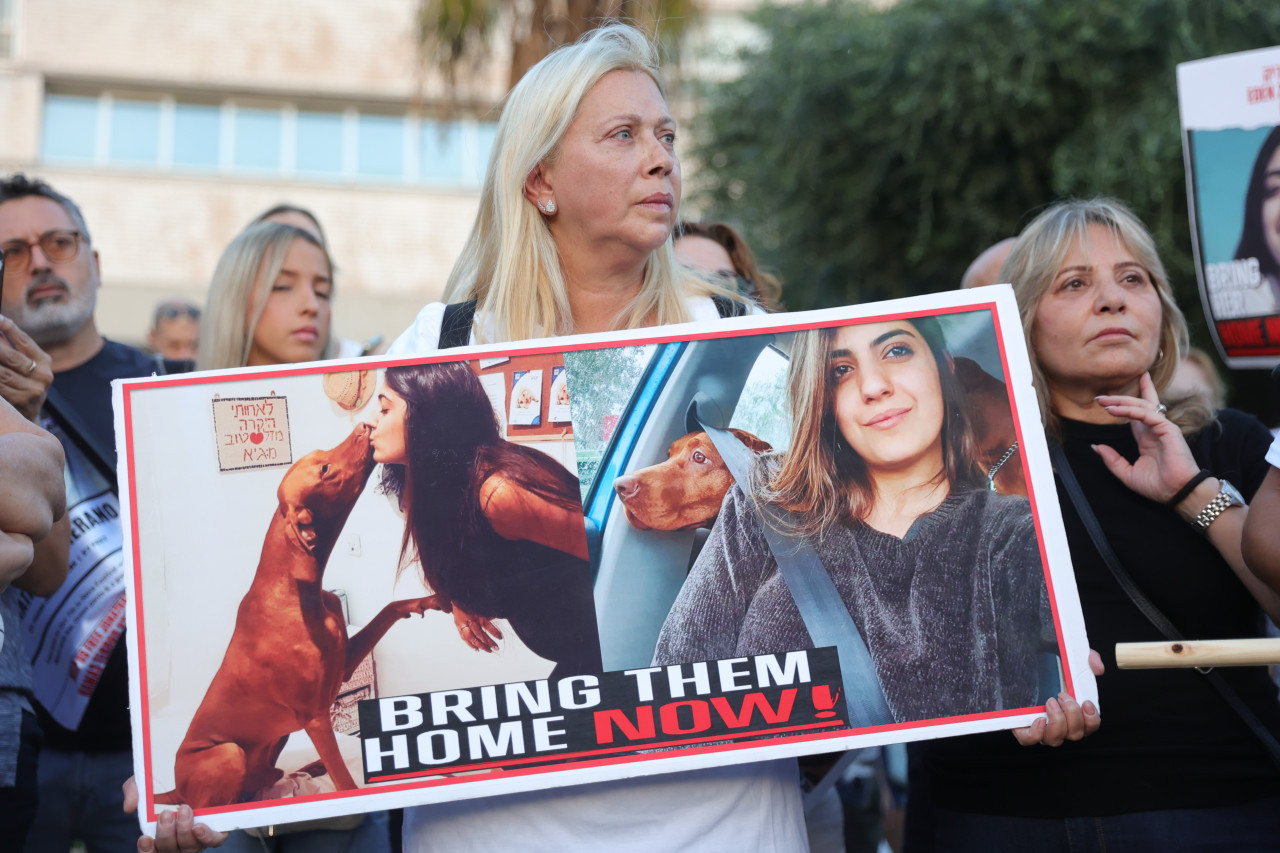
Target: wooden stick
<point x="1198" y="653"/>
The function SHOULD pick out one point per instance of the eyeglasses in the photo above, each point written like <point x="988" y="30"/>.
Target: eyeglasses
<point x="172" y="312"/>
<point x="58" y="246"/>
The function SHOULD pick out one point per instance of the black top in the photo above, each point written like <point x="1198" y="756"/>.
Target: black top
<point x="87" y="390"/>
<point x="1167" y="739"/>
<point x="544" y="593"/>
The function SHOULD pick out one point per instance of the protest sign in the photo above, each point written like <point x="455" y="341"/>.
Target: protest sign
<point x="70" y="634"/>
<point x="605" y="647"/>
<point x="1230" y="109"/>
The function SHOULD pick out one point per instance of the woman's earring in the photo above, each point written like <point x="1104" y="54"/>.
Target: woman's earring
<point x="548" y="207"/>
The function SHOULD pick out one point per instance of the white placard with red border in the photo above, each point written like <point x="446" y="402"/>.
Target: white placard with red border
<point x="449" y="722"/>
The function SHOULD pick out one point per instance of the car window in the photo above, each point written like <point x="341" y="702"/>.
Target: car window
<point x="609" y="379"/>
<point x="762" y="409"/>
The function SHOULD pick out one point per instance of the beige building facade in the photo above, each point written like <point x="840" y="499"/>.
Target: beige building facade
<point x="174" y="122"/>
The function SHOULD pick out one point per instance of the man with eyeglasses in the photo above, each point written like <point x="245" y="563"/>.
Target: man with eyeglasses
<point x="56" y="369"/>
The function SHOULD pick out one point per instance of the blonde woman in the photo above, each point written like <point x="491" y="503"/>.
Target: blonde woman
<point x="1175" y="767"/>
<point x="269" y="301"/>
<point x="577" y="209"/>
<point x="574" y="235"/>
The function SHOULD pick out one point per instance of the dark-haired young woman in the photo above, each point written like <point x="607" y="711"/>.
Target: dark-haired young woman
<point x="497" y="527"/>
<point x="942" y="576"/>
<point x="1260" y="237"/>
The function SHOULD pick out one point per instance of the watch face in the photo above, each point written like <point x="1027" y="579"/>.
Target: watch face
<point x="1232" y="492"/>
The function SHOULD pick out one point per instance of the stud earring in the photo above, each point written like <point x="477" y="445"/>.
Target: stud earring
<point x="548" y="207"/>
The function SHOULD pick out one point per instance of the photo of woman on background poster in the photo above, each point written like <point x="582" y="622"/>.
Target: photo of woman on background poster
<point x="1260" y="237"/>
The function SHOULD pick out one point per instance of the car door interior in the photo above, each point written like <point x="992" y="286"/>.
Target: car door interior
<point x="641" y="571"/>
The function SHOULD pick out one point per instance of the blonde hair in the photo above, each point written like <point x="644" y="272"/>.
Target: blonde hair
<point x="1032" y="267"/>
<point x="244" y="276"/>
<point x="822" y="480"/>
<point x="510" y="264"/>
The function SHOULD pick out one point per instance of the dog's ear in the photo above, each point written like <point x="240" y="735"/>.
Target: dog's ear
<point x="754" y="444"/>
<point x="303" y="524"/>
<point x="306" y="527"/>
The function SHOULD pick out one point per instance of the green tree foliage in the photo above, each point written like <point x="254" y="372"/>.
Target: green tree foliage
<point x="872" y="153"/>
<point x="457" y="35"/>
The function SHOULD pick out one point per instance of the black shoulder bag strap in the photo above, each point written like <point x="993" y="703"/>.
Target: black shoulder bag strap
<point x="455" y="326"/>
<point x="99" y="455"/>
<point x="822" y="610"/>
<point x="730" y="307"/>
<point x="1139" y="598"/>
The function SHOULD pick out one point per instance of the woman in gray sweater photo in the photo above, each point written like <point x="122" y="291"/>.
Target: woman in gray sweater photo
<point x="941" y="575"/>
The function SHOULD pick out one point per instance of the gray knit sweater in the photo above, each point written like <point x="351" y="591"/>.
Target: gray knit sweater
<point x="954" y="614"/>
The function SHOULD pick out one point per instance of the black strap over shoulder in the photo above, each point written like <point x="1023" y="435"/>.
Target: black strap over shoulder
<point x="101" y="456"/>
<point x="730" y="307"/>
<point x="455" y="327"/>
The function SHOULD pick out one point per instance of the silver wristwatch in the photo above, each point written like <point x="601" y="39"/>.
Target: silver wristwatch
<point x="1226" y="498"/>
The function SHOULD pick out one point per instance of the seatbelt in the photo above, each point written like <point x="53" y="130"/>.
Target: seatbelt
<point x="823" y="610"/>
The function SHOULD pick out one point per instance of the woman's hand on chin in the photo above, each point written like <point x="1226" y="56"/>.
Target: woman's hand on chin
<point x="1164" y="461"/>
<point x="1066" y="719"/>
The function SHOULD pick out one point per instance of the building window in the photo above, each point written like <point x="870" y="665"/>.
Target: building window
<point x="70" y="129"/>
<point x="6" y="28"/>
<point x="134" y="137"/>
<point x="196" y="136"/>
<point x="440" y="151"/>
<point x="256" y="134"/>
<point x="380" y="147"/>
<point x="318" y="151"/>
<point x="130" y="132"/>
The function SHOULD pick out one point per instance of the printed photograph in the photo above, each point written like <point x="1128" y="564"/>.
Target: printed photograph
<point x="375" y="586"/>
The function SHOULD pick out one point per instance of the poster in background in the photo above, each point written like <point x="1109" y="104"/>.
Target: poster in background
<point x="526" y="398"/>
<point x="70" y="635"/>
<point x="450" y="722"/>
<point x="1230" y="110"/>
<point x="558" y="409"/>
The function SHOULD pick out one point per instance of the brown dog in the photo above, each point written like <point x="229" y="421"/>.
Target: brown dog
<point x="289" y="652"/>
<point x="686" y="490"/>
<point x="992" y="421"/>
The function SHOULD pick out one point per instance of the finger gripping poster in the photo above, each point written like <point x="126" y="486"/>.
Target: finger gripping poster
<point x="412" y="595"/>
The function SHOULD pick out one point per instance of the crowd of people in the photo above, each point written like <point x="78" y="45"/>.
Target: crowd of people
<point x="575" y="234"/>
